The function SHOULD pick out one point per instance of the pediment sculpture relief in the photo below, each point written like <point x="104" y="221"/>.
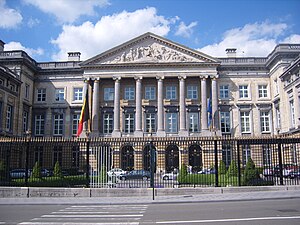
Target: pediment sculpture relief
<point x="151" y="53"/>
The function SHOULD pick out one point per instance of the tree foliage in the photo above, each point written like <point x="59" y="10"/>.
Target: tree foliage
<point x="232" y="170"/>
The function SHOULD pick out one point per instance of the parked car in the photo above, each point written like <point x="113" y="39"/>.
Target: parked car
<point x="294" y="174"/>
<point x="207" y="171"/>
<point x="115" y="172"/>
<point x="136" y="174"/>
<point x="286" y="169"/>
<point x="169" y="176"/>
<point x="18" y="173"/>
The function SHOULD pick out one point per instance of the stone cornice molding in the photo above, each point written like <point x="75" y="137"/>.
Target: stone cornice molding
<point x="116" y="78"/>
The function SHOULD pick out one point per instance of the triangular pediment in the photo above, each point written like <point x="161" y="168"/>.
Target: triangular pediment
<point x="149" y="48"/>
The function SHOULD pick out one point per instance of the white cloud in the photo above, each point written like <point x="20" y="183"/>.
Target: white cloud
<point x="91" y="39"/>
<point x="184" y="30"/>
<point x="68" y="10"/>
<point x="251" y="40"/>
<point x="10" y="18"/>
<point x="18" y="46"/>
<point x="33" y="22"/>
<point x="293" y="39"/>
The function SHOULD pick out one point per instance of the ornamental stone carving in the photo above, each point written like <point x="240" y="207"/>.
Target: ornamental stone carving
<point x="151" y="53"/>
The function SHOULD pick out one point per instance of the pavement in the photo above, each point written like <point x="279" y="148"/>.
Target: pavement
<point x="232" y="194"/>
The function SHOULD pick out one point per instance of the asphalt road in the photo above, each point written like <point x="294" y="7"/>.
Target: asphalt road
<point x="279" y="211"/>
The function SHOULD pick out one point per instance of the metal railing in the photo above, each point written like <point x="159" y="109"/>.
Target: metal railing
<point x="149" y="162"/>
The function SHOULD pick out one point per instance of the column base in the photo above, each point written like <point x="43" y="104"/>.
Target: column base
<point x="209" y="133"/>
<point x="116" y="134"/>
<point x="138" y="133"/>
<point x="183" y="133"/>
<point x="94" y="134"/>
<point x="161" y="133"/>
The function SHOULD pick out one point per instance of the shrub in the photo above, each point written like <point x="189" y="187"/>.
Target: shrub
<point x="232" y="170"/>
<point x="57" y="170"/>
<point x="222" y="168"/>
<point x="182" y="173"/>
<point x="36" y="172"/>
<point x="250" y="173"/>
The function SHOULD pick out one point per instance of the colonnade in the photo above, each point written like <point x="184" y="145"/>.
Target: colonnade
<point x="160" y="132"/>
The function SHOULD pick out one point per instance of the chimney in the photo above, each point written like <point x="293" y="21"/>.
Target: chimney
<point x="231" y="52"/>
<point x="74" y="56"/>
<point x="1" y="46"/>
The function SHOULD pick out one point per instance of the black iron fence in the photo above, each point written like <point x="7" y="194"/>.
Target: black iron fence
<point x="149" y="162"/>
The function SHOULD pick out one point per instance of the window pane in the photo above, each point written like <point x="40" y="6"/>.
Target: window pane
<point x="109" y="94"/>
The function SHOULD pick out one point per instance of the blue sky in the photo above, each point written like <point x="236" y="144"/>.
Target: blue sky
<point x="48" y="29"/>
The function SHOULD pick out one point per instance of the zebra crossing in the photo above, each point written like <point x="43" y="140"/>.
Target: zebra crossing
<point x="92" y="214"/>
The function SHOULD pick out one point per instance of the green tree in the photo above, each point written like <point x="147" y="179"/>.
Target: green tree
<point x="36" y="172"/>
<point x="222" y="168"/>
<point x="57" y="170"/>
<point x="232" y="170"/>
<point x="250" y="173"/>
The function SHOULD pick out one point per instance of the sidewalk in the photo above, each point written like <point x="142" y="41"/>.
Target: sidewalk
<point x="231" y="194"/>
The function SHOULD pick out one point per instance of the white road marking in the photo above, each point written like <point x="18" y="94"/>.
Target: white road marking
<point x="229" y="220"/>
<point x="91" y="216"/>
<point x="72" y="223"/>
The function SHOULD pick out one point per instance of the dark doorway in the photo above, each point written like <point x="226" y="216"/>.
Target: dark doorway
<point x="147" y="157"/>
<point x="127" y="158"/>
<point x="172" y="158"/>
<point x="195" y="157"/>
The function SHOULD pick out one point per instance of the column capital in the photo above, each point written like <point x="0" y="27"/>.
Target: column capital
<point x="138" y="78"/>
<point x="160" y="77"/>
<point x="181" y="77"/>
<point x="116" y="78"/>
<point x="97" y="79"/>
<point x="203" y="77"/>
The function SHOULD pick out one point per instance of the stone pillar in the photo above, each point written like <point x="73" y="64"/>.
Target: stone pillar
<point x="84" y="90"/>
<point x="95" y="109"/>
<point x="116" y="132"/>
<point x="296" y="107"/>
<point x="160" y="108"/>
<point x="214" y="104"/>
<point x="138" y="107"/>
<point x="203" y="105"/>
<point x="182" y="108"/>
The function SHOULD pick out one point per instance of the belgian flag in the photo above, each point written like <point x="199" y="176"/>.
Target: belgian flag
<point x="85" y="115"/>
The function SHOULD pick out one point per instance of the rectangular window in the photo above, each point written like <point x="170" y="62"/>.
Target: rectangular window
<point x="245" y="122"/>
<point x="171" y="92"/>
<point x="27" y="90"/>
<point x="225" y="122"/>
<point x="172" y="122"/>
<point x="265" y="121"/>
<point x="75" y="122"/>
<point x="129" y="123"/>
<point x="246" y="153"/>
<point x="224" y="91"/>
<point x="267" y="155"/>
<point x="150" y="93"/>
<point x="39" y="125"/>
<point x="109" y="94"/>
<point x="262" y="91"/>
<point x="9" y="118"/>
<point x="108" y="123"/>
<point x="194" y="122"/>
<point x="58" y="124"/>
<point x="129" y="93"/>
<point x="41" y="95"/>
<point x="292" y="113"/>
<point x="192" y="92"/>
<point x="59" y="94"/>
<point x="77" y="94"/>
<point x="38" y="155"/>
<point x="243" y="89"/>
<point x="25" y="122"/>
<point x="278" y="119"/>
<point x="150" y="122"/>
<point x="57" y="155"/>
<point x="226" y="155"/>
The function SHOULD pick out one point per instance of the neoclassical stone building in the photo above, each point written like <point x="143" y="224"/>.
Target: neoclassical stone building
<point x="152" y="85"/>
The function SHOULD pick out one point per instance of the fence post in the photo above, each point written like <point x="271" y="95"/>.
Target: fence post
<point x="216" y="163"/>
<point x="87" y="161"/>
<point x="238" y="163"/>
<point x="280" y="160"/>
<point x="27" y="156"/>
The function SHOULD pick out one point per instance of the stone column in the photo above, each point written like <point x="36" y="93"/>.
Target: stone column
<point x="214" y="104"/>
<point x="95" y="109"/>
<point x="138" y="107"/>
<point x="203" y="105"/>
<point x="296" y="107"/>
<point x="160" y="108"/>
<point x="182" y="108"/>
<point x="84" y="90"/>
<point x="116" y="132"/>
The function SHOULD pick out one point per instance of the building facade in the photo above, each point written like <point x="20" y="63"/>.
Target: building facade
<point x="151" y="86"/>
